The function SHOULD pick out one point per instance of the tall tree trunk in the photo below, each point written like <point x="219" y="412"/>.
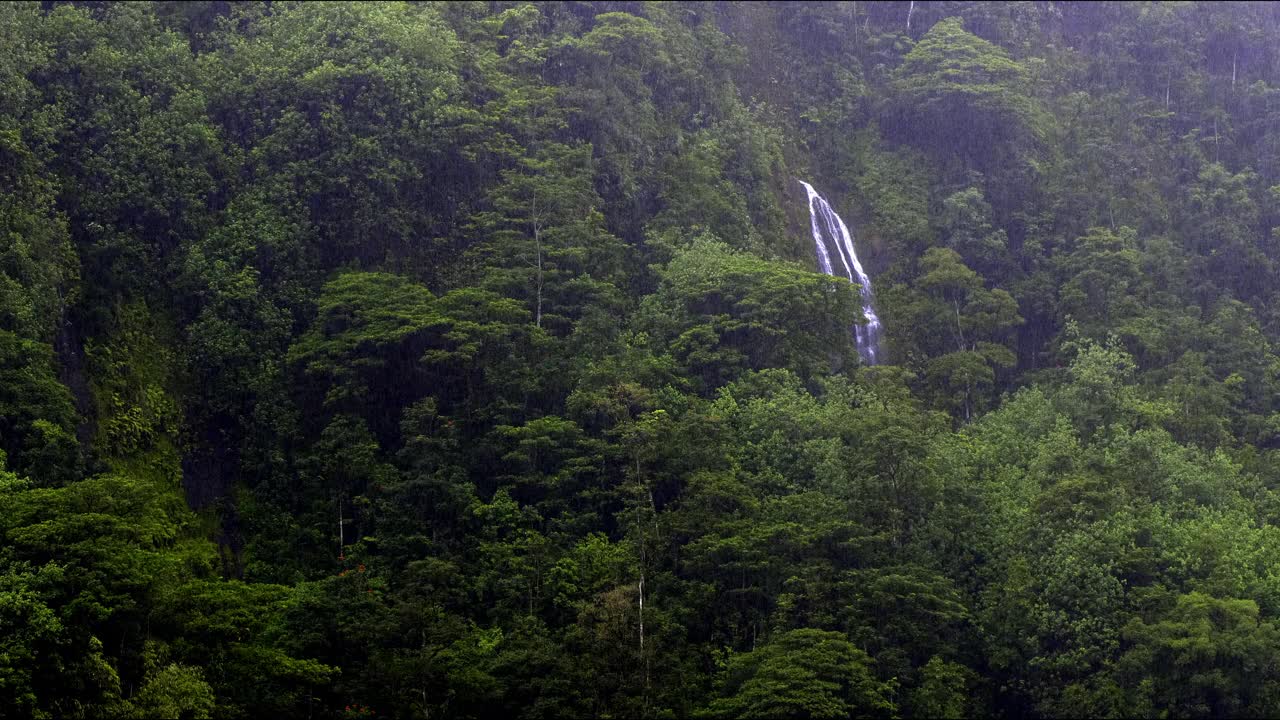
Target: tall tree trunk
<point x="1215" y="139"/>
<point x="342" y="535"/>
<point x="643" y="559"/>
<point x="537" y="242"/>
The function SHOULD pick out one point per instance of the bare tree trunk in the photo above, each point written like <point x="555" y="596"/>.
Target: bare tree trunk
<point x="646" y="664"/>
<point x="1215" y="139"/>
<point x="640" y="527"/>
<point x="910" y="9"/>
<point x="1234" y="56"/>
<point x="537" y="242"/>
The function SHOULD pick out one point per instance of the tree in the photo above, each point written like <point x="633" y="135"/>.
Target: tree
<point x="355" y="113"/>
<point x="1202" y="657"/>
<point x="957" y="329"/>
<point x="964" y="92"/>
<point x="724" y="312"/>
<point x="802" y="674"/>
<point x="546" y="242"/>
<point x="1102" y="276"/>
<point x="967" y="221"/>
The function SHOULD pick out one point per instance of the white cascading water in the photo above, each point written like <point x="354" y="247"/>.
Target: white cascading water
<point x="830" y="230"/>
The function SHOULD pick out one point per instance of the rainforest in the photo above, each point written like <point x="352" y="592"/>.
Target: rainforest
<point x="450" y="360"/>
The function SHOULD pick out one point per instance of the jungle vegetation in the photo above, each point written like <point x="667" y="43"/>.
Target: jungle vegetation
<point x="469" y="359"/>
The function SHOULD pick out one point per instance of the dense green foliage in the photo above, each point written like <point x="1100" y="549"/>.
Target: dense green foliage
<point x="467" y="359"/>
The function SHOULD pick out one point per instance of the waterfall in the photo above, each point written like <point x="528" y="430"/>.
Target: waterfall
<point x="830" y="231"/>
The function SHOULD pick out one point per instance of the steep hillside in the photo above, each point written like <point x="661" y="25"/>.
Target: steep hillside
<point x="473" y="359"/>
